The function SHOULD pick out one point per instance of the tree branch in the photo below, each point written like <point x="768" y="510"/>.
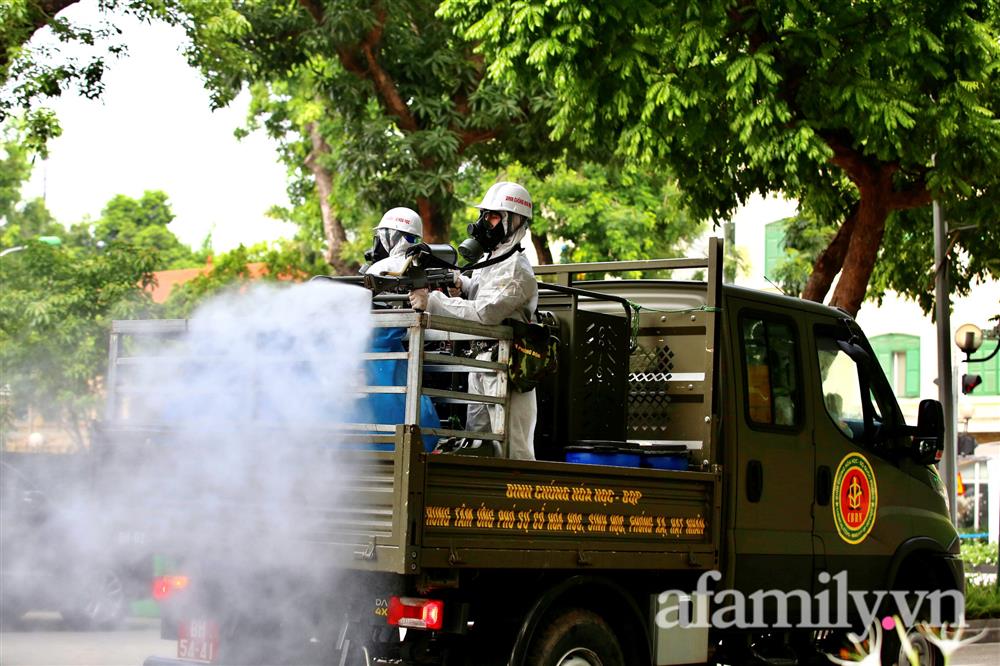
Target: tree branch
<point x="830" y="261"/>
<point x="40" y="13"/>
<point x="915" y="196"/>
<point x="739" y="14"/>
<point x="541" y="243"/>
<point x="46" y="10"/>
<point x="472" y="137"/>
<point x="853" y="163"/>
<point x="315" y="10"/>
<point x="384" y="84"/>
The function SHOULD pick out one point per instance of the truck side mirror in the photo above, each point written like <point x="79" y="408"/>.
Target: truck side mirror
<point x="928" y="441"/>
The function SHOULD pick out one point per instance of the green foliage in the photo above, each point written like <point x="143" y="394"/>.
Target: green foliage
<point x="982" y="600"/>
<point x="791" y="97"/>
<point x="20" y="220"/>
<point x="805" y="237"/>
<point x="284" y="260"/>
<point x="15" y="169"/>
<point x="140" y="223"/>
<point x="398" y="98"/>
<point x="55" y="317"/>
<point x="288" y="110"/>
<point x="32" y="72"/>
<point x="976" y="552"/>
<point x="907" y="259"/>
<point x="597" y="212"/>
<point x="736" y="262"/>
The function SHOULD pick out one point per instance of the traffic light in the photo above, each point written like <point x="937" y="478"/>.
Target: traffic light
<point x="970" y="382"/>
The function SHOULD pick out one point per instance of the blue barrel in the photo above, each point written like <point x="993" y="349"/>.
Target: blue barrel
<point x="665" y="456"/>
<point x="602" y="454"/>
<point x="390" y="408"/>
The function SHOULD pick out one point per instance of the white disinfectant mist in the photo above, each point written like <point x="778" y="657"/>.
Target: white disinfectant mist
<point x="239" y="474"/>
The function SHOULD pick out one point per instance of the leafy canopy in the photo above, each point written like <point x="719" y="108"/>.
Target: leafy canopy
<point x="140" y="223"/>
<point x="20" y="220"/>
<point x="73" y="57"/>
<point x="597" y="212"/>
<point x="55" y="317"/>
<point x="284" y="260"/>
<point x="862" y="106"/>
<point x="398" y="102"/>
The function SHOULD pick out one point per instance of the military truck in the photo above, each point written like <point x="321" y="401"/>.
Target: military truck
<point x="789" y="471"/>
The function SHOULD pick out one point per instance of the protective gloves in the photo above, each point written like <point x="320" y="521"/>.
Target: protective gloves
<point x="418" y="299"/>
<point x="418" y="248"/>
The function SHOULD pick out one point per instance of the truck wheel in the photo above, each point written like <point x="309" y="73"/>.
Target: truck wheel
<point x="98" y="603"/>
<point x="576" y="637"/>
<point x="893" y="654"/>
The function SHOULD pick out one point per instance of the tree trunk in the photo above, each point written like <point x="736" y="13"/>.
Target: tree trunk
<point x="74" y="429"/>
<point x="435" y="227"/>
<point x="332" y="227"/>
<point x="541" y="243"/>
<point x="830" y="261"/>
<point x="862" y="250"/>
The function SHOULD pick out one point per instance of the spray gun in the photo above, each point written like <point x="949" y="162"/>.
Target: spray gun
<point x="419" y="271"/>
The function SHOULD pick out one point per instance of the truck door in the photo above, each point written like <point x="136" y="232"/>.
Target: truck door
<point x="773" y="522"/>
<point x="856" y="527"/>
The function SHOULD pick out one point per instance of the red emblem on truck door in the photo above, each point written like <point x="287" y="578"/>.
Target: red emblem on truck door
<point x="855" y="498"/>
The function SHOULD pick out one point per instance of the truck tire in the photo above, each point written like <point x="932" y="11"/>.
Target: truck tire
<point x="576" y="637"/>
<point x="99" y="602"/>
<point x="893" y="654"/>
<point x="914" y="574"/>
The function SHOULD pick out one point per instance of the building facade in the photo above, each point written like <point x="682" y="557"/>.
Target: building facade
<point x="903" y="338"/>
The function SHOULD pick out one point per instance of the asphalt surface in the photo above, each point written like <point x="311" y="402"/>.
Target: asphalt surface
<point x="41" y="640"/>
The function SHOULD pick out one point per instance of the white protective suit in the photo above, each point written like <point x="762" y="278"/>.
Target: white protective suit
<point x="393" y="263"/>
<point x="507" y="289"/>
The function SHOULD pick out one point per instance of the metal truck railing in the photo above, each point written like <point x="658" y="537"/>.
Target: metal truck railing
<point x="366" y="521"/>
<point x="421" y="328"/>
<point x="424" y="328"/>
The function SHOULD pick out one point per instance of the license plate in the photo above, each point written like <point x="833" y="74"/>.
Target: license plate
<point x="198" y="640"/>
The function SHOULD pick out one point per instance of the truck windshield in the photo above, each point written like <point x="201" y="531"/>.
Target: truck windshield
<point x="842" y="388"/>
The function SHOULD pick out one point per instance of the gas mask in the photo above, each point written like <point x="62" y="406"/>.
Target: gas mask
<point x="385" y="241"/>
<point x="483" y="237"/>
<point x="376" y="252"/>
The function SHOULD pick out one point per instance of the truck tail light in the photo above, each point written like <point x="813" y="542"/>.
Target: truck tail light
<point x="416" y="613"/>
<point x="166" y="586"/>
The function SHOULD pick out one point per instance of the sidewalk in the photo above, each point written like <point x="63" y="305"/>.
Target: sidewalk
<point x="992" y="627"/>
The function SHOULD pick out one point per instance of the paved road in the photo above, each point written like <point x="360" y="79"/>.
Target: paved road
<point x="983" y="654"/>
<point x="41" y="641"/>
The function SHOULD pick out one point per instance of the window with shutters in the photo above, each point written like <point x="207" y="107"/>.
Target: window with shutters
<point x="899" y="356"/>
<point x="774" y="247"/>
<point x="988" y="370"/>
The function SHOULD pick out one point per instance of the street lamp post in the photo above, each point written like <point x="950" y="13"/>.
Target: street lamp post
<point x="946" y="393"/>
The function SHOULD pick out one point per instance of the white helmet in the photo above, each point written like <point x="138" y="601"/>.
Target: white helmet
<point x="507" y="196"/>
<point x="402" y="219"/>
